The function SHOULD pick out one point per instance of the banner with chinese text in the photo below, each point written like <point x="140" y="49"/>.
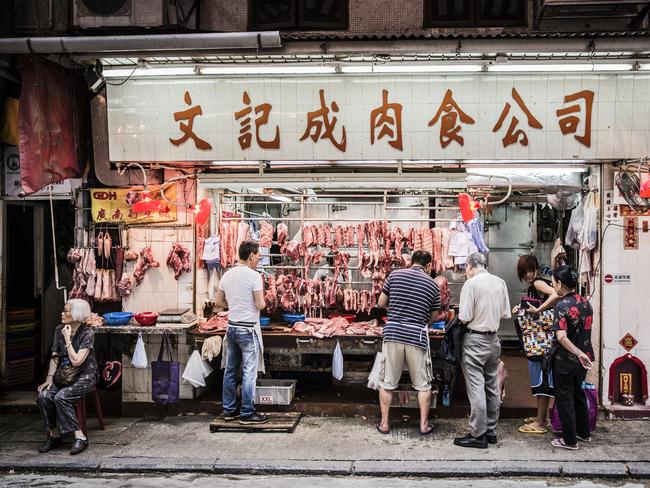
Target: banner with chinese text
<point x="113" y="205"/>
<point x="381" y="117"/>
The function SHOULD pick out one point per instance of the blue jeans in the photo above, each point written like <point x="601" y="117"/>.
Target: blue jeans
<point x="242" y="352"/>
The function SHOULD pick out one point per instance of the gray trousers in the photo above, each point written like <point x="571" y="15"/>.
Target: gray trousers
<point x="58" y="405"/>
<point x="479" y="363"/>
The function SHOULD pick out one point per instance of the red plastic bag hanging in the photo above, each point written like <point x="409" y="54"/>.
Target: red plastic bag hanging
<point x="202" y="211"/>
<point x="645" y="189"/>
<point x="467" y="206"/>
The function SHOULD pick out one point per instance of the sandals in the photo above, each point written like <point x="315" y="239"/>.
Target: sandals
<point x="560" y="443"/>
<point x="383" y="432"/>
<point x="530" y="420"/>
<point x="429" y="430"/>
<point x="527" y="429"/>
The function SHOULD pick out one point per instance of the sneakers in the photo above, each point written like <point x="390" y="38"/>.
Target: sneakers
<point x="583" y="439"/>
<point x="254" y="419"/>
<point x="229" y="417"/>
<point x="560" y="443"/>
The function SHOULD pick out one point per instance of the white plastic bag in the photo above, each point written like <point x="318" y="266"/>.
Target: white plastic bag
<point x="377" y="371"/>
<point x="193" y="373"/>
<point x="139" y="359"/>
<point x="337" y="362"/>
<point x="574" y="230"/>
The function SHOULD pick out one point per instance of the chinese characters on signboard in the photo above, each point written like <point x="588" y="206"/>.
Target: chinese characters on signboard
<point x="114" y="205"/>
<point x="385" y="122"/>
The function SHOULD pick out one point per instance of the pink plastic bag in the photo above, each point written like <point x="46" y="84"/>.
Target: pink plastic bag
<point x="592" y="406"/>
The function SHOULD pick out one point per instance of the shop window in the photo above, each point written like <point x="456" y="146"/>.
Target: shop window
<point x="475" y="13"/>
<point x="299" y="14"/>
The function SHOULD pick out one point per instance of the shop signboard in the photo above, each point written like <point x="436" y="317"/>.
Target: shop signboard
<point x="13" y="187"/>
<point x="381" y="117"/>
<point x="114" y="205"/>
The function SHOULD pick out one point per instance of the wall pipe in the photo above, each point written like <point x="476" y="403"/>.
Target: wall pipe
<point x="150" y="44"/>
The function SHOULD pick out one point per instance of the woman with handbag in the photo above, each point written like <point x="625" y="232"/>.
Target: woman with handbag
<point x="71" y="375"/>
<point x="573" y="357"/>
<point x="533" y="311"/>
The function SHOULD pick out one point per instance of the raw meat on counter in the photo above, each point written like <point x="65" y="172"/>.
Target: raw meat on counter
<point x="217" y="322"/>
<point x="338" y="326"/>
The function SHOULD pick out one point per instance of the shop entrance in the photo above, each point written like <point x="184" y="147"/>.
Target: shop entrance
<point x="33" y="304"/>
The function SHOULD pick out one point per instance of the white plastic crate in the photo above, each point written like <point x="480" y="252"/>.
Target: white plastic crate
<point x="275" y="392"/>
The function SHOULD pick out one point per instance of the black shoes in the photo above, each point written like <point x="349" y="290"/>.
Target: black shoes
<point x="229" y="417"/>
<point x="50" y="443"/>
<point x="470" y="441"/>
<point x="254" y="419"/>
<point x="79" y="445"/>
<point x="491" y="438"/>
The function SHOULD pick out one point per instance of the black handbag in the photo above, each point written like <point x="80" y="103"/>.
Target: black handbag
<point x="66" y="374"/>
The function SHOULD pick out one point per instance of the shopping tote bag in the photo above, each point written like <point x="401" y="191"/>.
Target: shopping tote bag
<point x="165" y="376"/>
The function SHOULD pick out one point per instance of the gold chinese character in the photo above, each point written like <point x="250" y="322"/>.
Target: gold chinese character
<point x="245" y="135"/>
<point x="391" y="125"/>
<point x="449" y="130"/>
<point x="513" y="135"/>
<point x="186" y="128"/>
<point x="569" y="124"/>
<point x="313" y="122"/>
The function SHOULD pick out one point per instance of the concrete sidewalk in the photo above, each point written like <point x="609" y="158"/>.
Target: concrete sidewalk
<point x="326" y="446"/>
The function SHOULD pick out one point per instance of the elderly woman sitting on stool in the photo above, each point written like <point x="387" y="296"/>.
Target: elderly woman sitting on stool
<point x="71" y="375"/>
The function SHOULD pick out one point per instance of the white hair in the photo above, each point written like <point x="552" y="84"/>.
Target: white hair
<point x="476" y="260"/>
<point x="79" y="309"/>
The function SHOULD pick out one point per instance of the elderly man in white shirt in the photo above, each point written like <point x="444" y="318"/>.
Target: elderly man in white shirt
<point x="483" y="303"/>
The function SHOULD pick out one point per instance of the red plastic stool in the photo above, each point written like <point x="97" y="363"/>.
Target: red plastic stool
<point x="81" y="411"/>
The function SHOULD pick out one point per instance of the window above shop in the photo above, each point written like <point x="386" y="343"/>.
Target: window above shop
<point x="298" y="14"/>
<point x="475" y="13"/>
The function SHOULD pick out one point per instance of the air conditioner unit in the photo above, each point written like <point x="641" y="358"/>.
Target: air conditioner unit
<point x="90" y="14"/>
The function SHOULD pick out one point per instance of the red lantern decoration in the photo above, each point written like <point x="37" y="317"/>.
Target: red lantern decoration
<point x="645" y="189"/>
<point x="146" y="204"/>
<point x="467" y="206"/>
<point x="202" y="211"/>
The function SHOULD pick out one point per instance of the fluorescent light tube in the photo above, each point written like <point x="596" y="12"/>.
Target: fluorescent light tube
<point x="427" y="68"/>
<point x="144" y="72"/>
<point x="267" y="70"/>
<point x="537" y="68"/>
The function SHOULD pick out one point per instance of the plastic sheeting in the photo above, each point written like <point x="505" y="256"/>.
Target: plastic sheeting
<point x="54" y="124"/>
<point x="549" y="182"/>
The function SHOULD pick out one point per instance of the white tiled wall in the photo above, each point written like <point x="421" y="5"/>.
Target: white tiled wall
<point x="160" y="290"/>
<point x="625" y="307"/>
<point x="141" y="121"/>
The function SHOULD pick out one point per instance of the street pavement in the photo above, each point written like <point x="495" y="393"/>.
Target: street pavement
<point x="232" y="481"/>
<point x="322" y="446"/>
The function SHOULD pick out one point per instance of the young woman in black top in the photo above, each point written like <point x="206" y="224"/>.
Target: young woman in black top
<point x="573" y="357"/>
<point x="542" y="293"/>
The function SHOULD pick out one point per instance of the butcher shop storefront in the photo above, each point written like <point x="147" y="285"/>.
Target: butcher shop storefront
<point x="340" y="176"/>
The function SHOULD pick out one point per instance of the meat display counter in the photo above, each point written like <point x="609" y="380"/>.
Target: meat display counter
<point x="286" y="350"/>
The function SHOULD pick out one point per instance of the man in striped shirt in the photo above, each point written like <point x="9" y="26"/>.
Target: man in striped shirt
<point x="413" y="300"/>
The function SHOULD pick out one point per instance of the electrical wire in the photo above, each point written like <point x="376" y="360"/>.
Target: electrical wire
<point x="600" y="258"/>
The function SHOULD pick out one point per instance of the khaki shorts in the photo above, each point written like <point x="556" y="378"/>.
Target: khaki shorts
<point x="417" y="360"/>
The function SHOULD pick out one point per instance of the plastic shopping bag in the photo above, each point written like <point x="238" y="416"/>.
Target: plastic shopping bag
<point x="377" y="371"/>
<point x="194" y="370"/>
<point x="337" y="362"/>
<point x="139" y="359"/>
<point x="592" y="408"/>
